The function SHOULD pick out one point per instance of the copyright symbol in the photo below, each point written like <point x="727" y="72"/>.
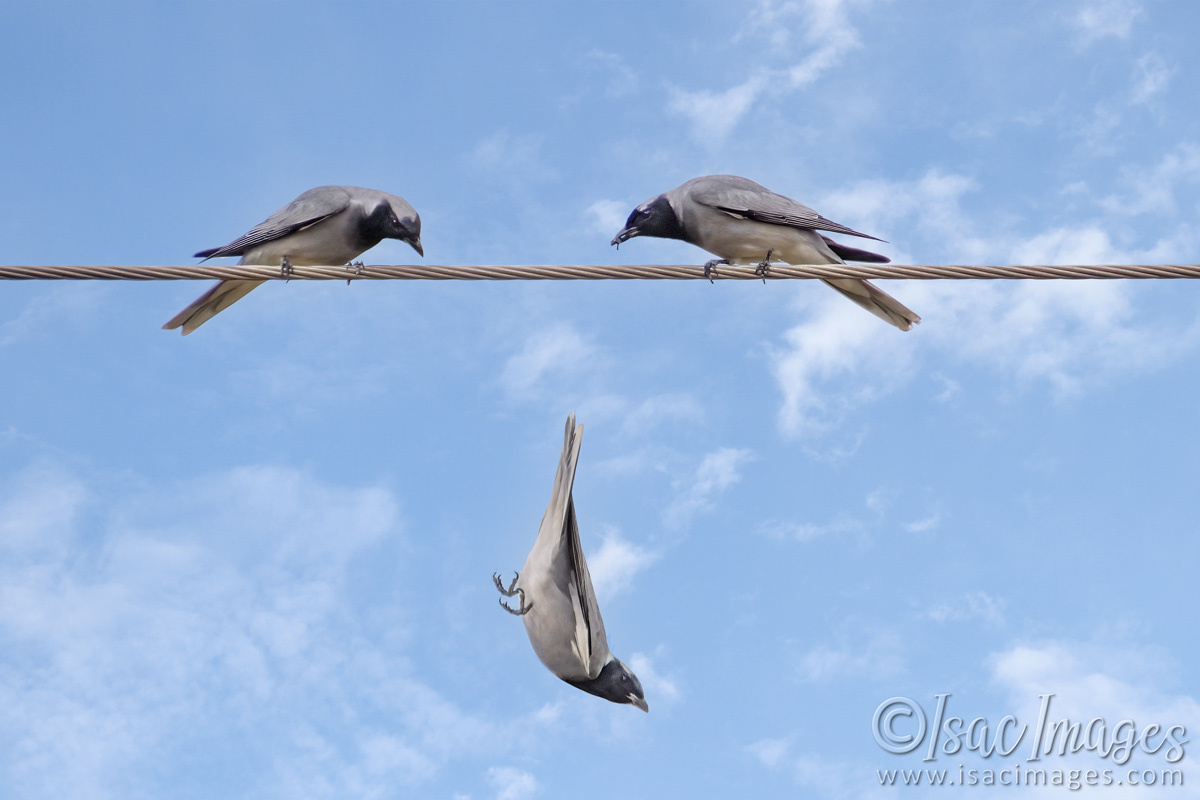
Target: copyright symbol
<point x="885" y="716"/>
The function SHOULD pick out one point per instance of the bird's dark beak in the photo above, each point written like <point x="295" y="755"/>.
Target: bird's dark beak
<point x="624" y="235"/>
<point x="634" y="700"/>
<point x="416" y="245"/>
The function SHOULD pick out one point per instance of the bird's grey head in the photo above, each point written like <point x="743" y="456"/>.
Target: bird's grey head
<point x="655" y="217"/>
<point x="616" y="682"/>
<point x="393" y="219"/>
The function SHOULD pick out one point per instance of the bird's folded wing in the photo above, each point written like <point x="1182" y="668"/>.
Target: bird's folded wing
<point x="308" y="209"/>
<point x="766" y="206"/>
<point x="597" y="642"/>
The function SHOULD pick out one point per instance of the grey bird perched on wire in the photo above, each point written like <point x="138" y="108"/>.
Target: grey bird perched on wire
<point x="743" y="222"/>
<point x="325" y="226"/>
<point x="556" y="600"/>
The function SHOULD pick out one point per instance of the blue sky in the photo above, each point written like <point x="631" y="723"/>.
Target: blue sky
<point x="256" y="561"/>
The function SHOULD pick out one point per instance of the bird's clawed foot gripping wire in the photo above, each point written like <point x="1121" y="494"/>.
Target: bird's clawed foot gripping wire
<point x="512" y="589"/>
<point x="710" y="267"/>
<point x="764" y="267"/>
<point x="357" y="266"/>
<point x="285" y="267"/>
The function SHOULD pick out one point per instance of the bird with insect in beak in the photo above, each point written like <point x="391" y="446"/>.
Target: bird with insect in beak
<point x="325" y="226"/>
<point x="556" y="600"/>
<point x="742" y="222"/>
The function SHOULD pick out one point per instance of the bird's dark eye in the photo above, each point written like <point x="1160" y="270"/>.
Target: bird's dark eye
<point x="395" y="222"/>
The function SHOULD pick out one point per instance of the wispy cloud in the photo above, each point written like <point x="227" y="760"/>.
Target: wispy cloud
<point x="717" y="472"/>
<point x="506" y="153"/>
<point x="59" y="307"/>
<point x="827" y="36"/>
<point x="854" y="655"/>
<point x="841" y="525"/>
<point x="825" y="777"/>
<point x="1151" y="76"/>
<point x="808" y="531"/>
<point x="38" y="512"/>
<point x="1068" y="335"/>
<point x="1152" y="190"/>
<point x="214" y="609"/>
<point x="1104" y="19"/>
<point x="662" y="688"/>
<point x="558" y="348"/>
<point x="512" y="783"/>
<point x="615" y="564"/>
<point x="654" y="411"/>
<point x="608" y="216"/>
<point x="714" y="114"/>
<point x="972" y="606"/>
<point x="622" y="80"/>
<point x="769" y="752"/>
<point x="1112" y="680"/>
<point x="924" y="524"/>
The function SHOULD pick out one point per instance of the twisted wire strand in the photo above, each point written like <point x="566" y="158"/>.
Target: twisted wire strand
<point x="602" y="272"/>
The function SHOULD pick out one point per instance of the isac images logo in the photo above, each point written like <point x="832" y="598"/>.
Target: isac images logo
<point x="901" y="726"/>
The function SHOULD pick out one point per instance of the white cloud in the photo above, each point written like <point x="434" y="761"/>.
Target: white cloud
<point x="769" y="751"/>
<point x="807" y="531"/>
<point x="640" y="460"/>
<point x="653" y="411"/>
<point x="38" y="512"/>
<point x="512" y="783"/>
<point x="830" y="36"/>
<point x="829" y="345"/>
<point x="59" y="307"/>
<point x="827" y="35"/>
<point x="1066" y="334"/>
<point x="715" y="114"/>
<point x="855" y="655"/>
<point x="1102" y="19"/>
<point x="660" y="688"/>
<point x="827" y="778"/>
<point x="1152" y="191"/>
<point x="558" y="348"/>
<point x="299" y="388"/>
<point x="924" y="524"/>
<point x="1106" y="678"/>
<point x="614" y="565"/>
<point x="875" y="502"/>
<point x="608" y="216"/>
<point x="1111" y="680"/>
<point x="929" y="207"/>
<point x="972" y="606"/>
<point x="622" y="79"/>
<point x="1151" y="77"/>
<point x="210" y="610"/>
<point x="505" y="153"/>
<point x="717" y="472"/>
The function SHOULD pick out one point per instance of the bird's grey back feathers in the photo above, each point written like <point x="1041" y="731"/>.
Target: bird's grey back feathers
<point x="742" y="197"/>
<point x="597" y="641"/>
<point x="308" y="209"/>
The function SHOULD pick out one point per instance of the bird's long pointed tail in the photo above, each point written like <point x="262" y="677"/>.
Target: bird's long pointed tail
<point x="221" y="296"/>
<point x="877" y="301"/>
